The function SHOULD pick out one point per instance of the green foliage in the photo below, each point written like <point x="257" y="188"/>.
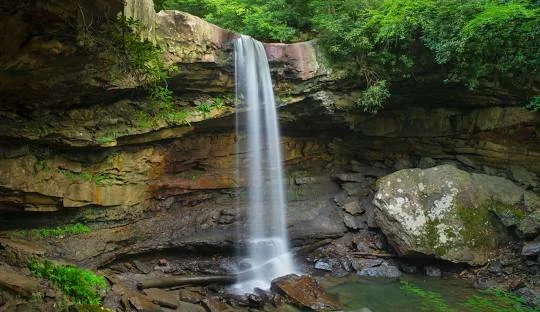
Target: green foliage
<point x="276" y="20"/>
<point x="143" y="60"/>
<point x="534" y="104"/>
<point x="59" y="231"/>
<point x="100" y="178"/>
<point x="204" y="108"/>
<point x="372" y="99"/>
<point x="489" y="300"/>
<point x="81" y="285"/>
<point x="478" y="39"/>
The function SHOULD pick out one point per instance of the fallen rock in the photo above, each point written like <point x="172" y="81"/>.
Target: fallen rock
<point x="190" y="296"/>
<point x="189" y="307"/>
<point x="304" y="292"/>
<point x="448" y="213"/>
<point x="162" y="297"/>
<point x="352" y="206"/>
<point x="384" y="270"/>
<point x="355" y="222"/>
<point x="432" y="271"/>
<point x="531" y="248"/>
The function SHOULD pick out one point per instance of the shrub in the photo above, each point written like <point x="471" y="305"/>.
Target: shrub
<point x="83" y="286"/>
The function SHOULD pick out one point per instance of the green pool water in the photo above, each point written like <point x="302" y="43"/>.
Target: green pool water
<point x="382" y="295"/>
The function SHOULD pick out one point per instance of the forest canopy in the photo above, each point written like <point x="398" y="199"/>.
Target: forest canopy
<point x="473" y="39"/>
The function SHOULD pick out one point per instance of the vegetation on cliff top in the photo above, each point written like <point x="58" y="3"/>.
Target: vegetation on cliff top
<point x="378" y="40"/>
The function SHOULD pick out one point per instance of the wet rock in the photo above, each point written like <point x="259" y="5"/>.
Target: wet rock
<point x="304" y="292"/>
<point x="255" y="300"/>
<point x="356" y="189"/>
<point x="142" y="303"/>
<point x="369" y="171"/>
<point x="403" y="163"/>
<point x="162" y="297"/>
<point x="17" y="283"/>
<point x="432" y="271"/>
<point x="531" y="248"/>
<point x="323" y="264"/>
<point x="361" y="264"/>
<point x="384" y="270"/>
<point x="189" y="307"/>
<point x="339" y="199"/>
<point x="446" y="212"/>
<point x="352" y="206"/>
<point x="362" y="247"/>
<point x="142" y="266"/>
<point x="355" y="222"/>
<point x="163" y="262"/>
<point x="496" y="268"/>
<point x="350" y="177"/>
<point x="522" y="175"/>
<point x="408" y="268"/>
<point x="214" y="304"/>
<point x="190" y="296"/>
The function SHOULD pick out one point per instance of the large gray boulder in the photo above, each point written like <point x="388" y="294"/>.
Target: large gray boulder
<point x="451" y="214"/>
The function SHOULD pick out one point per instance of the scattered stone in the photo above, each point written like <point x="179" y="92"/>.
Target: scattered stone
<point x="214" y="304"/>
<point x="524" y="176"/>
<point x="143" y="267"/>
<point x="339" y="199"/>
<point x="190" y="296"/>
<point x="362" y="247"/>
<point x="323" y="264"/>
<point x="496" y="267"/>
<point x="432" y="271"/>
<point x="384" y="270"/>
<point x="354" y="222"/>
<point x="17" y="282"/>
<point x="255" y="301"/>
<point x="408" y="268"/>
<point x="360" y="264"/>
<point x="404" y="163"/>
<point x="369" y="171"/>
<point x="142" y="303"/>
<point x="162" y="297"/>
<point x="189" y="307"/>
<point x="304" y="292"/>
<point x="352" y="206"/>
<point x="529" y="227"/>
<point x="356" y="189"/>
<point x="119" y="267"/>
<point x="350" y="177"/>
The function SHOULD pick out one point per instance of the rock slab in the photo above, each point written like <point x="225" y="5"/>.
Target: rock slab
<point x="304" y="292"/>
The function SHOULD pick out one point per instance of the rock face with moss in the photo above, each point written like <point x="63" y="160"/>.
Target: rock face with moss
<point x="452" y="214"/>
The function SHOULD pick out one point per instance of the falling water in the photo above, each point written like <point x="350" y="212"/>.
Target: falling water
<point x="257" y="124"/>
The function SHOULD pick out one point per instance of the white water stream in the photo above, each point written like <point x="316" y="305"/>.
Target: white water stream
<point x="257" y="123"/>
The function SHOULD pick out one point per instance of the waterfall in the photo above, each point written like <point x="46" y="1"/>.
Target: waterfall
<point x="258" y="132"/>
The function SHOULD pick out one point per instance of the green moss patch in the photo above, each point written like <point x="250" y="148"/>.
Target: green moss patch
<point x="478" y="229"/>
<point x="58" y="231"/>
